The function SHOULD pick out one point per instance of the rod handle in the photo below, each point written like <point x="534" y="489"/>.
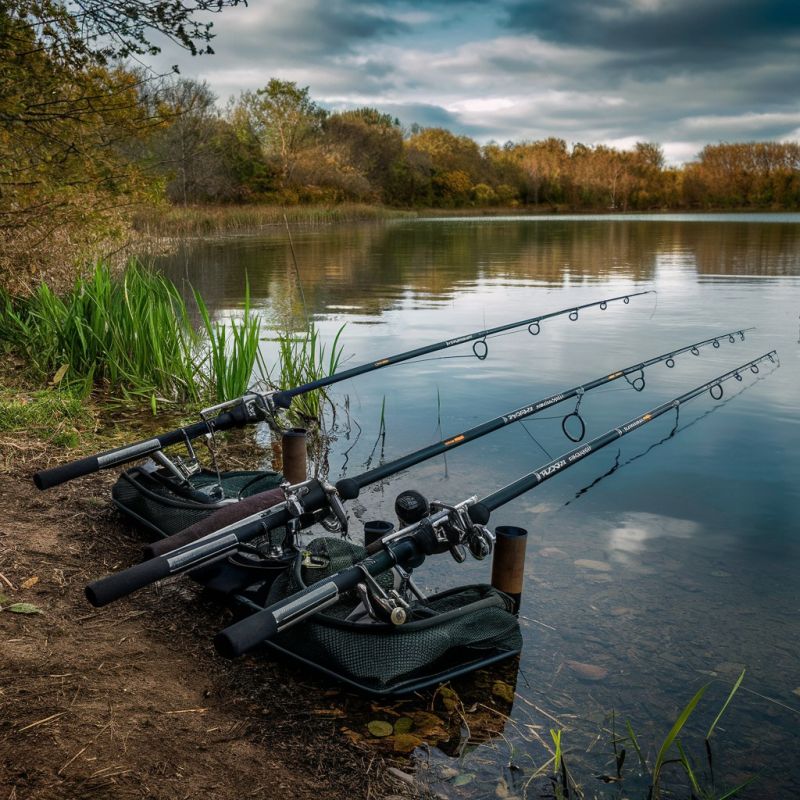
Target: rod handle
<point x="244" y="635"/>
<point x="105" y="590"/>
<point x="47" y="478"/>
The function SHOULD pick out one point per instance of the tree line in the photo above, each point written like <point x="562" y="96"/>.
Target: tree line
<point x="277" y="144"/>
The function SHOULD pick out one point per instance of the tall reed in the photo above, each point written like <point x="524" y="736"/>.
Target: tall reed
<point x="302" y="359"/>
<point x="184" y="221"/>
<point x="232" y="359"/>
<point x="130" y="335"/>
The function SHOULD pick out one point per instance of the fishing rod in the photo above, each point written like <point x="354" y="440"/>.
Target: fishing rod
<point x="349" y="488"/>
<point x="445" y="528"/>
<point x="182" y="553"/>
<point x="259" y="406"/>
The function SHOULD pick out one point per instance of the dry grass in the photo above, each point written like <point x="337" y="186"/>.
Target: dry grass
<point x="187" y="221"/>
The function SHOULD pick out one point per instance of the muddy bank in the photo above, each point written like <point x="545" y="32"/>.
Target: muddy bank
<point x="131" y="701"/>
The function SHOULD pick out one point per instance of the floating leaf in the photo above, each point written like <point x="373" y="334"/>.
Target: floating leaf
<point x="502" y="690"/>
<point x="380" y="728"/>
<point x="403" y="725"/>
<point x="24" y="608"/>
<point x="406" y="742"/>
<point x="464" y="778"/>
<point x="30" y="582"/>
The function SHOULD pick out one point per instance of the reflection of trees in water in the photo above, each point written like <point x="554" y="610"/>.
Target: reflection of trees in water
<point x="371" y="267"/>
<point x="745" y="249"/>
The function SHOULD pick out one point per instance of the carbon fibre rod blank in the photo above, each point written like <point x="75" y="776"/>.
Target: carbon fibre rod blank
<point x="476" y="337"/>
<point x="485" y="506"/>
<point x="349" y="488"/>
<point x="256" y="407"/>
<point x="416" y="540"/>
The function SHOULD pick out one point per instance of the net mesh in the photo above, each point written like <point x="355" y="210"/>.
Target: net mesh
<point x="450" y="629"/>
<point x="153" y="501"/>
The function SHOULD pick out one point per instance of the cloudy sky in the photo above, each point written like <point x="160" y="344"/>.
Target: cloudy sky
<point x="679" y="72"/>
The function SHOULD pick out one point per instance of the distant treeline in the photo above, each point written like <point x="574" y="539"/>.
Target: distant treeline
<point x="277" y="144"/>
<point x="85" y="140"/>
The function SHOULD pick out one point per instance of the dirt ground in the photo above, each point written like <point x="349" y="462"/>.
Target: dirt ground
<point x="131" y="701"/>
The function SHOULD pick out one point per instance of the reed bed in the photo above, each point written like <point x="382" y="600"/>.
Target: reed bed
<point x="191" y="221"/>
<point x="130" y="337"/>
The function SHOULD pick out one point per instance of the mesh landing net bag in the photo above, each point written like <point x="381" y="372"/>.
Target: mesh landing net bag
<point x="453" y="632"/>
<point x="153" y="500"/>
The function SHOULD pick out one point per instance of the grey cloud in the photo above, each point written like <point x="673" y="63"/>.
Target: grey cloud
<point x="680" y="32"/>
<point x="433" y="116"/>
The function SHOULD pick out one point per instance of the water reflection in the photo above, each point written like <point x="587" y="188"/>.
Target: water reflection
<point x="371" y="268"/>
<point x="636" y="533"/>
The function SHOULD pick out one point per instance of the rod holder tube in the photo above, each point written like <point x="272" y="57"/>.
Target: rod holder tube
<point x="295" y="458"/>
<point x="508" y="562"/>
<point x="376" y="530"/>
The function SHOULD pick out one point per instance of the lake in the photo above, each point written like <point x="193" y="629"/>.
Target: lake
<point x="676" y="569"/>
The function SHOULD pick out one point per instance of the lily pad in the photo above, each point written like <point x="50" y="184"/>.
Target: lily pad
<point x="380" y="728"/>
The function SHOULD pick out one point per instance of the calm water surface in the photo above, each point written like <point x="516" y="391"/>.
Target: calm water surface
<point x="698" y="537"/>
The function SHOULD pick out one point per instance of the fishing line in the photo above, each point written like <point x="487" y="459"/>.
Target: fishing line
<point x="676" y="430"/>
<point x="535" y="440"/>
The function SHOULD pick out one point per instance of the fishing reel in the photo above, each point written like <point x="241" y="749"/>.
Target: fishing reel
<point x="456" y="533"/>
<point x="336" y="521"/>
<point x="256" y="406"/>
<point x="331" y="516"/>
<point x="462" y="534"/>
<point x="383" y="605"/>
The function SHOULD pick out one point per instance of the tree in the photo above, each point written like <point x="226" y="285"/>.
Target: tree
<point x="365" y="143"/>
<point x="196" y="149"/>
<point x="69" y="112"/>
<point x="285" y="120"/>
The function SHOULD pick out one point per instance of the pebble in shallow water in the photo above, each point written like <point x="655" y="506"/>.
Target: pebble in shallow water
<point x="588" y="563"/>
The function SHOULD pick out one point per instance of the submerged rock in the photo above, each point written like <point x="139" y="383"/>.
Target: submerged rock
<point x="552" y="552"/>
<point x="588" y="672"/>
<point x="588" y="563"/>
